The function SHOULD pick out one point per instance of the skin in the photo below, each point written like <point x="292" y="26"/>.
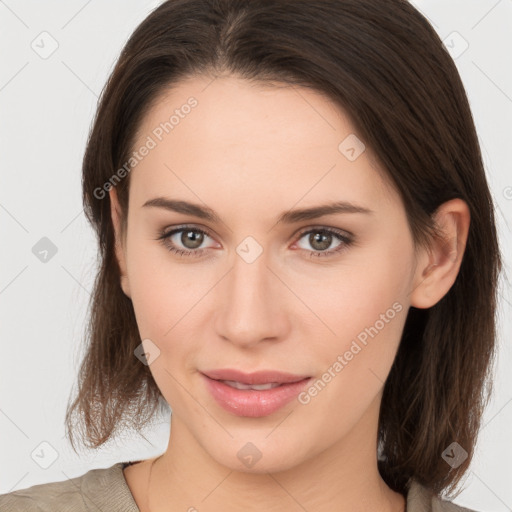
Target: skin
<point x="250" y="153"/>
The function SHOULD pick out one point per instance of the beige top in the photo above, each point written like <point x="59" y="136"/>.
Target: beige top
<point x="106" y="490"/>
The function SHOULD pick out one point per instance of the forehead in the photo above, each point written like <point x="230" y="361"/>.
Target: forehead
<point x="213" y="138"/>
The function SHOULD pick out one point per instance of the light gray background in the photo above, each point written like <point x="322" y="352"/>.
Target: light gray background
<point x="47" y="105"/>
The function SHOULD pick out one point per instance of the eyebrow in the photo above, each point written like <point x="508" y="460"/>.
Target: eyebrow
<point x="288" y="217"/>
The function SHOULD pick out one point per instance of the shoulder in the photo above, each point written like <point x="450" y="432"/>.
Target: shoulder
<point x="98" y="489"/>
<point x="421" y="499"/>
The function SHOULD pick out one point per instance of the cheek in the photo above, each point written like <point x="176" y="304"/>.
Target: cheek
<point x="157" y="288"/>
<point x="364" y="304"/>
<point x="163" y="299"/>
<point x="353" y="295"/>
<point x="169" y="301"/>
<point x="353" y="365"/>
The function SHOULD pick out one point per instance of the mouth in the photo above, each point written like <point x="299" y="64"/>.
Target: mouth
<point x="253" y="394"/>
<point x="257" y="387"/>
<point x="254" y="378"/>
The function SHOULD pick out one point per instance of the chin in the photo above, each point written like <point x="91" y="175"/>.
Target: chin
<point x="257" y="456"/>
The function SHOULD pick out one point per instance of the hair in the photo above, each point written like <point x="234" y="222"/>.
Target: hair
<point x="385" y="66"/>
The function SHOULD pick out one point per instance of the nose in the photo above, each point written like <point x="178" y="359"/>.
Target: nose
<point x="251" y="304"/>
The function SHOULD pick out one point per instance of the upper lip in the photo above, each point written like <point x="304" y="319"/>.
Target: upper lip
<point x="259" y="377"/>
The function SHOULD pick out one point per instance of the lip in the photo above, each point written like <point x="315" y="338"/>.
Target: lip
<point x="254" y="403"/>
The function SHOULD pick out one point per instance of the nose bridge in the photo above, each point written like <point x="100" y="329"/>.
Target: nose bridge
<point x="249" y="309"/>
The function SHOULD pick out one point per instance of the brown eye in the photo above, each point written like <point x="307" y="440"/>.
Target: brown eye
<point x="185" y="241"/>
<point x="191" y="238"/>
<point x="321" y="239"/>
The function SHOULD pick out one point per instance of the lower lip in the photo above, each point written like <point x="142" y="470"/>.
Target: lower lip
<point x="253" y="403"/>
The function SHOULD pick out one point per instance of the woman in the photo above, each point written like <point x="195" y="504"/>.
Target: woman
<point x="295" y="232"/>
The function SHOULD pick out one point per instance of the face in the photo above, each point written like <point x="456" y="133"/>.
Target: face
<point x="322" y="296"/>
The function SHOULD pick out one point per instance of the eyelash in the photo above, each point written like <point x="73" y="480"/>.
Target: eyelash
<point x="345" y="239"/>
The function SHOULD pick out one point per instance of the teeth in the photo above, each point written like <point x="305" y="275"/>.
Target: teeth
<point x="257" y="387"/>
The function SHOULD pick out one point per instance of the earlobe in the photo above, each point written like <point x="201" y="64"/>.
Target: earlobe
<point x="115" y="211"/>
<point x="439" y="265"/>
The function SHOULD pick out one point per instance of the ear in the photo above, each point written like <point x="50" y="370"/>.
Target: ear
<point x="115" y="211"/>
<point x="438" y="266"/>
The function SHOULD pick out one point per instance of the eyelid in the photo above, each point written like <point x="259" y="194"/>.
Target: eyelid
<point x="319" y="227"/>
<point x="179" y="227"/>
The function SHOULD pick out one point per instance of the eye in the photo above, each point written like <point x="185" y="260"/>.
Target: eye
<point x="184" y="241"/>
<point x="320" y="239"/>
<point x="187" y="240"/>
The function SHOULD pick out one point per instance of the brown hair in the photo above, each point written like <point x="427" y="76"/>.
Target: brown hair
<point x="383" y="63"/>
